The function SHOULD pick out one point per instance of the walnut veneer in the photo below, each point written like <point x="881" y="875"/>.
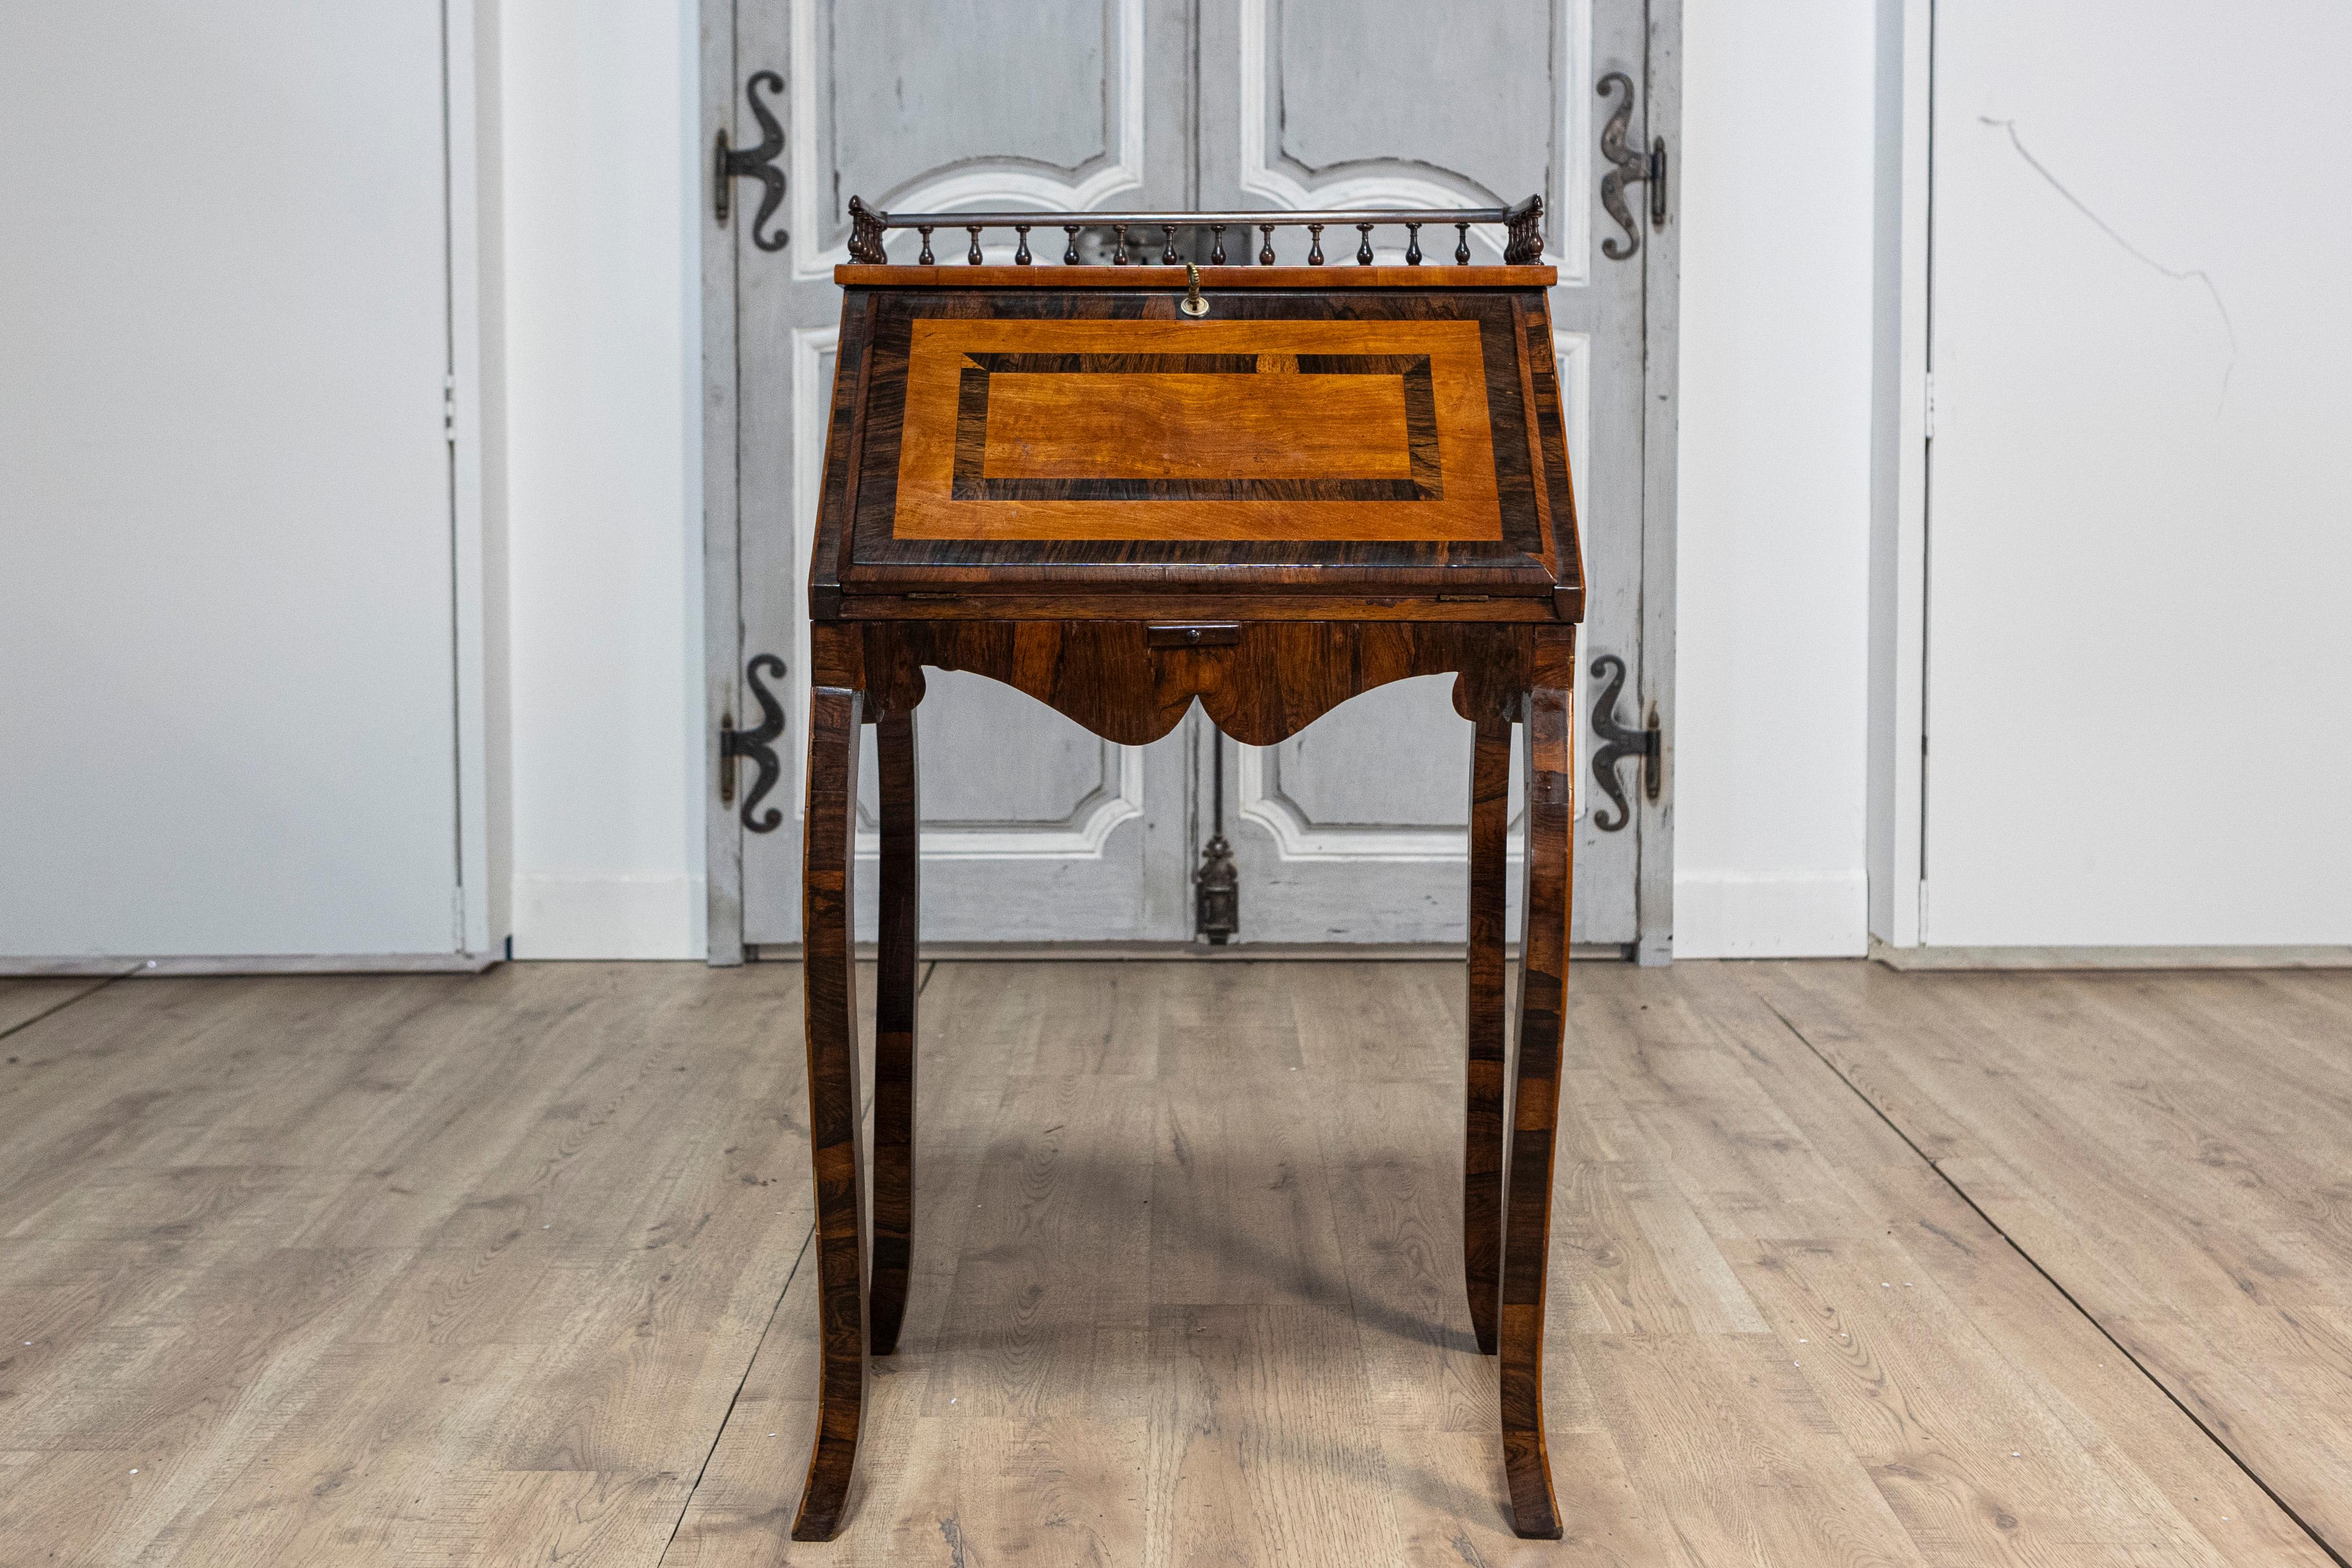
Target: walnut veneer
<point x="1334" y="479"/>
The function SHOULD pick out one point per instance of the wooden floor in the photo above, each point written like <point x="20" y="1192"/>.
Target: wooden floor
<point x="1850" y="1267"/>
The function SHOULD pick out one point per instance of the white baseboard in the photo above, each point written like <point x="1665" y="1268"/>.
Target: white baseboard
<point x="608" y="916"/>
<point x="1783" y="914"/>
<point x="167" y="967"/>
<point x="2081" y="958"/>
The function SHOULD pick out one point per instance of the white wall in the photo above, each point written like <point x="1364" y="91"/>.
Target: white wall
<point x="603" y="188"/>
<point x="603" y="182"/>
<point x="1771" y="654"/>
<point x="603" y="191"/>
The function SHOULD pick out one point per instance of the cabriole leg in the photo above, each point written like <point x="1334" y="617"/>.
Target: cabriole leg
<point x="1482" y="1150"/>
<point x="1527" y="1226"/>
<point x="894" y="1026"/>
<point x="830" y="984"/>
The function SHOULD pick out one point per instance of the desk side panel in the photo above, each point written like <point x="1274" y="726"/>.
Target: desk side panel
<point x="831" y="554"/>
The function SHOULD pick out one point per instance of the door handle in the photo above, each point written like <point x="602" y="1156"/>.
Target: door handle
<point x="729" y="164"/>
<point x="1628" y="167"/>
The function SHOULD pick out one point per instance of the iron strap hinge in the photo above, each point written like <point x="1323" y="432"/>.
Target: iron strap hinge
<point x="1619" y="742"/>
<point x="757" y="746"/>
<point x="729" y="164"/>
<point x="1628" y="167"/>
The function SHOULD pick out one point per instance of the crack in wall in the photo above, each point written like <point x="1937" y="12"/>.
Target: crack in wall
<point x="2178" y="274"/>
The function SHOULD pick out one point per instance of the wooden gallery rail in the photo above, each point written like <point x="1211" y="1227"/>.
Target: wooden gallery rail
<point x="1125" y="488"/>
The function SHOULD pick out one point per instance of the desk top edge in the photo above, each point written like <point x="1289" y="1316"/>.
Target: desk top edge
<point x="1157" y="278"/>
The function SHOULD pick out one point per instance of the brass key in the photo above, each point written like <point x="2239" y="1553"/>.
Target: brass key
<point x="1192" y="304"/>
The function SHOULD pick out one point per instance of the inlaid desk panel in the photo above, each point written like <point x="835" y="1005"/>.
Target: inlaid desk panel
<point x="1403" y="436"/>
<point x="1233" y="431"/>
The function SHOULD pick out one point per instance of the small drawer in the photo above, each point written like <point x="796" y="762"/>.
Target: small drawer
<point x="1194" y="634"/>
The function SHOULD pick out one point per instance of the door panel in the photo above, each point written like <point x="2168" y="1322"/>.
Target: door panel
<point x="1352" y="830"/>
<point x="888" y="64"/>
<point x="2137" y="498"/>
<point x="1325" y="103"/>
<point x="227" y="591"/>
<point x="1033" y="829"/>
<point x="1378" y="102"/>
<point x="1338" y="851"/>
<point x="1049" y="783"/>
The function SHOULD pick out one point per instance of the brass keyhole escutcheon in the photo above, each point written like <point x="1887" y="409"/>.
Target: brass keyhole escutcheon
<point x="1192" y="304"/>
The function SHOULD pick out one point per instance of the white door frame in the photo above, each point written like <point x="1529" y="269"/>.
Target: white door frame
<point x="477" y="416"/>
<point x="1662" y="257"/>
<point x="722" y="621"/>
<point x="1900" y="432"/>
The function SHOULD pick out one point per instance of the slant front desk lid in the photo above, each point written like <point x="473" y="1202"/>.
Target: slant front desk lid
<point x="1388" y="438"/>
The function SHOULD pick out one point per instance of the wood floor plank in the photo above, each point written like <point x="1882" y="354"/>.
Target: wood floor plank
<point x="2171" y="1148"/>
<point x="24" y="1000"/>
<point x="69" y="1506"/>
<point x="164" y="1073"/>
<point x="741" y="1512"/>
<point x="2053" y="1370"/>
<point x="376" y="1442"/>
<point x="1262" y="1448"/>
<point x="1241" y="1203"/>
<point x="1049" y="1307"/>
<point x="403" y="1269"/>
<point x="1241" y="1198"/>
<point x="1307" y="1189"/>
<point x="585" y="1517"/>
<point x="487" y="1269"/>
<point x="1729" y="1442"/>
<point x="1399" y="1229"/>
<point x="1370" y="1023"/>
<point x="1447" y="1513"/>
<point x="1009" y="1426"/>
<point x="1978" y="1469"/>
<point x="2158" y="1462"/>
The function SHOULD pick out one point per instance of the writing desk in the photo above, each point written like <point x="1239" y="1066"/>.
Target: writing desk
<point x="1123" y="489"/>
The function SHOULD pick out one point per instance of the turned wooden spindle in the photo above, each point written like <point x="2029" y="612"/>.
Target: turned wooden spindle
<point x="1522" y="223"/>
